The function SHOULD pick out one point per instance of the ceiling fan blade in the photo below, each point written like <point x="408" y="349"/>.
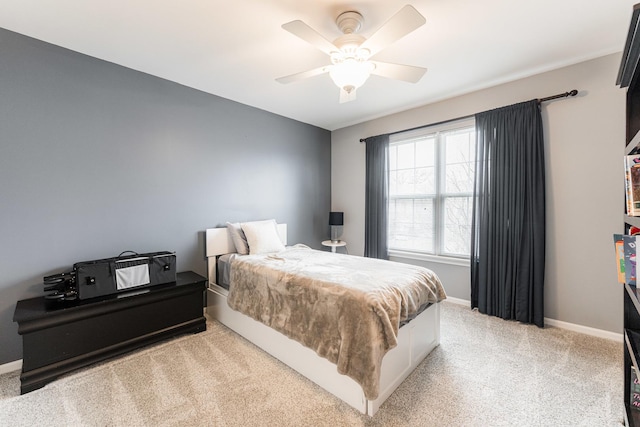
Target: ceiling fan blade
<point x="399" y="25"/>
<point x="347" y="96"/>
<point x="308" y="34"/>
<point x="303" y="75"/>
<point x="407" y="73"/>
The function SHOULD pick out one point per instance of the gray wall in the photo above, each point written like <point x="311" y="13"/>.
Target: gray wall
<point x="96" y="159"/>
<point x="584" y="143"/>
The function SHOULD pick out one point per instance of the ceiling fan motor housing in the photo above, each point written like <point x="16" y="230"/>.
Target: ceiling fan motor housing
<point x="349" y="22"/>
<point x="349" y="45"/>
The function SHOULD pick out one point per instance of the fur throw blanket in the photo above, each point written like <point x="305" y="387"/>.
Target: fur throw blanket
<point x="348" y="309"/>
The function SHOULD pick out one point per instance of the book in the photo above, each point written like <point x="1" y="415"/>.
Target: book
<point x="632" y="184"/>
<point x="629" y="243"/>
<point x="627" y="188"/>
<point x="618" y="244"/>
<point x="634" y="390"/>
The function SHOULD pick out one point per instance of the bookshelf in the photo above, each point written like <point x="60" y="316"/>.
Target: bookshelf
<point x="633" y="147"/>
<point x="628" y="77"/>
<point x="632" y="221"/>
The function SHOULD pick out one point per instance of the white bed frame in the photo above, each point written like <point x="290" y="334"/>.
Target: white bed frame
<point x="415" y="340"/>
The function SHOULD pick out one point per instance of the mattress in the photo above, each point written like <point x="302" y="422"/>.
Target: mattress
<point x="223" y="271"/>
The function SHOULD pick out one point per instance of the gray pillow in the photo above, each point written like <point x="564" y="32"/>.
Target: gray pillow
<point x="238" y="238"/>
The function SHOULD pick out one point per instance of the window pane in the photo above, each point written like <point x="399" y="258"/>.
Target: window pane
<point x="405" y="182"/>
<point x="459" y="178"/>
<point x="412" y="167"/>
<point x="425" y="181"/>
<point x="393" y="182"/>
<point x="411" y="224"/>
<point x="426" y="152"/>
<point x="459" y="147"/>
<point x="457" y="225"/>
<point x="393" y="157"/>
<point x="405" y="156"/>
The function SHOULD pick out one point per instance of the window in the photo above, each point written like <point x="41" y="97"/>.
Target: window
<point x="431" y="175"/>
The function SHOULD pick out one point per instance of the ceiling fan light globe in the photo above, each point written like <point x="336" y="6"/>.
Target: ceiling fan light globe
<point x="351" y="73"/>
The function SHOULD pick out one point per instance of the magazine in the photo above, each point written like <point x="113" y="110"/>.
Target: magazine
<point x="618" y="243"/>
<point x="632" y="184"/>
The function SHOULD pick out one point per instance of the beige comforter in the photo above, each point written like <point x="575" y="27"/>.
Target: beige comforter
<point x="346" y="308"/>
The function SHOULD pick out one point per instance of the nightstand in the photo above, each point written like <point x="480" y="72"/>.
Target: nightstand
<point x="334" y="245"/>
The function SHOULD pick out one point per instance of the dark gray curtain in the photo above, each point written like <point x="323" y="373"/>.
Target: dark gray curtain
<point x="376" y="192"/>
<point x="508" y="228"/>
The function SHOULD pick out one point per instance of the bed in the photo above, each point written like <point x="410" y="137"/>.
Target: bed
<point x="362" y="379"/>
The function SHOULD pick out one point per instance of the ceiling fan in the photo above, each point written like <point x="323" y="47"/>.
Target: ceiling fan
<point x="350" y="53"/>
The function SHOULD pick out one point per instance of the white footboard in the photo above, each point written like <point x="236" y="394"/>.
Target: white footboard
<point x="415" y="341"/>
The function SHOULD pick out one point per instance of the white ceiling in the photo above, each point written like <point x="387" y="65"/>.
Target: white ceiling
<point x="236" y="49"/>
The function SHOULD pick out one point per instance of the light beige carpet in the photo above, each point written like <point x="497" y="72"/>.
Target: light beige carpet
<point x="486" y="372"/>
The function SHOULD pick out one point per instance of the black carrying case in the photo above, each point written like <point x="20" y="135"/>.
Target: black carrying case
<point x="123" y="273"/>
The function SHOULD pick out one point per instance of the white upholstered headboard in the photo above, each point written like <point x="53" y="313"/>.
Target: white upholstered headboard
<point x="218" y="242"/>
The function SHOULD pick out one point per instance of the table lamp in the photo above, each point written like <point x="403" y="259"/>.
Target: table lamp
<point x="336" y="221"/>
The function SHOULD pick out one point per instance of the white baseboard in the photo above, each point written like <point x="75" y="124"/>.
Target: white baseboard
<point x="584" y="329"/>
<point x="16" y="365"/>
<point x="560" y="324"/>
<point x="458" y="301"/>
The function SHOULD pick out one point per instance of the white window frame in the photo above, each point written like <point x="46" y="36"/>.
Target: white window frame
<point x="438" y="255"/>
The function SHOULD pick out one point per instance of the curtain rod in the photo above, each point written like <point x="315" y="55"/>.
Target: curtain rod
<point x="560" y="95"/>
<point x="572" y="92"/>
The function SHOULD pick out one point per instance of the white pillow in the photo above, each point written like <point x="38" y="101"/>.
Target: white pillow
<point x="262" y="237"/>
<point x="238" y="238"/>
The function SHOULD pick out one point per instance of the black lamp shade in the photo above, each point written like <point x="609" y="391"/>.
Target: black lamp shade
<point x="336" y="218"/>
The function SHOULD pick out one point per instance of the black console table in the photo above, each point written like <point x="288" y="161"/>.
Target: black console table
<point x="60" y="337"/>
